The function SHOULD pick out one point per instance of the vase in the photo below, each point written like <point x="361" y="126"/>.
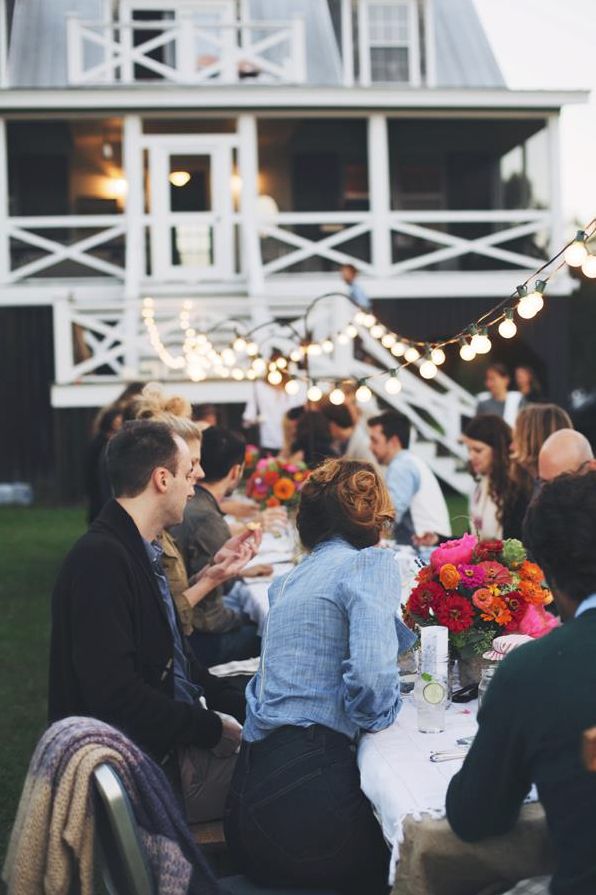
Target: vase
<point x="470" y="670"/>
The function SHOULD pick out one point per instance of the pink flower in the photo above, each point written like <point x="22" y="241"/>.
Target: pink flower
<point x="471" y="576"/>
<point x="457" y="552"/>
<point x="495" y="573"/>
<point x="537" y="622"/>
<point x="289" y="467"/>
<point x="263" y="463"/>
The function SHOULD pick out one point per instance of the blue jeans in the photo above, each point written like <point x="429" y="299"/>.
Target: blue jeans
<point x="217" y="649"/>
<point x="296" y="815"/>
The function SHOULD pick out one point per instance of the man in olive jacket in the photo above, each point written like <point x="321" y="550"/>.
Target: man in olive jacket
<point x="117" y="652"/>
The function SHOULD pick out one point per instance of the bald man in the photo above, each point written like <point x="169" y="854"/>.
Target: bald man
<point x="565" y="451"/>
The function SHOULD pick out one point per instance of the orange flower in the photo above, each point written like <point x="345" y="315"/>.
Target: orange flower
<point x="300" y="476"/>
<point x="425" y="575"/>
<point x="531" y="572"/>
<point x="449" y="576"/>
<point x="498" y="612"/>
<point x="483" y="598"/>
<point x="532" y="593"/>
<point x="284" y="489"/>
<point x="272" y="502"/>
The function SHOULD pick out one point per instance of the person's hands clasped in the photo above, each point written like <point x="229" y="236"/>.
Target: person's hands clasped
<point x="231" y="558"/>
<point x="231" y="737"/>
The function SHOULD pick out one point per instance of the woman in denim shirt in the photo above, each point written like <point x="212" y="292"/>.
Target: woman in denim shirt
<point x="296" y="815"/>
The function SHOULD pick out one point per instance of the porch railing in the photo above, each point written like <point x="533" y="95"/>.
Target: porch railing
<point x="184" y="51"/>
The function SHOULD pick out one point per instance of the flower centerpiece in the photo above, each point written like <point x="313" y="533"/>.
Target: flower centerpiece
<point x="251" y="458"/>
<point x="275" y="484"/>
<point x="479" y="590"/>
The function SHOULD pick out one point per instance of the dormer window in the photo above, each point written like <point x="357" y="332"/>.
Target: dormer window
<point x="389" y="42"/>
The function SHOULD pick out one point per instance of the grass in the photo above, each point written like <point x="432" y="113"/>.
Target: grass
<point x="34" y="542"/>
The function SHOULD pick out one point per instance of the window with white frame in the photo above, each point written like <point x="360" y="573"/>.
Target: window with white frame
<point x="389" y="42"/>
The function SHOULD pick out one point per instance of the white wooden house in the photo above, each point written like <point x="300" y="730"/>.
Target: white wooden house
<point x="232" y="154"/>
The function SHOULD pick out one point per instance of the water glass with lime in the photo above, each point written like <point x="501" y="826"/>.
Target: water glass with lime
<point x="431" y="702"/>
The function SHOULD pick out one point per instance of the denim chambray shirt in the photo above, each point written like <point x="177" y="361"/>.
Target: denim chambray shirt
<point x="329" y="653"/>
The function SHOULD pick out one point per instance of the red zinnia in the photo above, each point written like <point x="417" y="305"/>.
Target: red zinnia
<point x="517" y="607"/>
<point x="425" y="597"/>
<point x="495" y="573"/>
<point x="455" y="613"/>
<point x="487" y="550"/>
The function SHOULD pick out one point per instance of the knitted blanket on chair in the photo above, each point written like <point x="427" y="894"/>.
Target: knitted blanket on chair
<point x="51" y="844"/>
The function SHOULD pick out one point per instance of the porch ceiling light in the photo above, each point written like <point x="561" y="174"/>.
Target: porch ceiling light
<point x="179" y="178"/>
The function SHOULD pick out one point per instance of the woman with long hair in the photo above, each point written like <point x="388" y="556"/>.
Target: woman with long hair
<point x="488" y="439"/>
<point x="296" y="815"/>
<point x="532" y="427"/>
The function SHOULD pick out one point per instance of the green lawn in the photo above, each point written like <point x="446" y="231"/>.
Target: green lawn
<point x="33" y="543"/>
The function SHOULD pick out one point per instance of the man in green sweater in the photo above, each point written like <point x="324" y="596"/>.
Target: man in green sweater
<point x="542" y="699"/>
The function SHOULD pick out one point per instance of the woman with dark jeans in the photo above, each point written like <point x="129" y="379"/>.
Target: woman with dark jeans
<point x="296" y="815"/>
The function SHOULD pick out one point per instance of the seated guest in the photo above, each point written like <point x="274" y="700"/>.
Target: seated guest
<point x="349" y="438"/>
<point x="533" y="426"/>
<point x="313" y="439"/>
<point x="220" y="634"/>
<point x="499" y="400"/>
<point x="565" y="451"/>
<point x="296" y="815"/>
<point x="420" y="508"/>
<point x="541" y="700"/>
<point x="117" y="652"/>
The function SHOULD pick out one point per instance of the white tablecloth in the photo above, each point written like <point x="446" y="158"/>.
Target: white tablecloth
<point x="397" y="775"/>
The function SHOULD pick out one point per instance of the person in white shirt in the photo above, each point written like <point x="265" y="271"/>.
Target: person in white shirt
<point x="267" y="406"/>
<point x="420" y="507"/>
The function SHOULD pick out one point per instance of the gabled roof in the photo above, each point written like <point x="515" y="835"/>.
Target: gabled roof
<point x="464" y="59"/>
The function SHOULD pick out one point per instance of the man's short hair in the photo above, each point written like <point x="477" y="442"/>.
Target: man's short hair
<point x="500" y="369"/>
<point x="560" y="533"/>
<point x="221" y="450"/>
<point x="394" y="424"/>
<point x="338" y="414"/>
<point x="135" y="451"/>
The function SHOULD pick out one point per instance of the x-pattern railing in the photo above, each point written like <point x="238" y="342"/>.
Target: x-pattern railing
<point x="351" y="224"/>
<point x="415" y="224"/>
<point x="112" y="227"/>
<point x="233" y="55"/>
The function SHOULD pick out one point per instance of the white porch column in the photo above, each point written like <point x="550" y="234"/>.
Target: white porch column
<point x="379" y="188"/>
<point x="4" y="221"/>
<point x="3" y="45"/>
<point x="347" y="43"/>
<point x="63" y="341"/>
<point x="554" y="172"/>
<point x="250" y="241"/>
<point x="428" y="11"/>
<point x="135" y="244"/>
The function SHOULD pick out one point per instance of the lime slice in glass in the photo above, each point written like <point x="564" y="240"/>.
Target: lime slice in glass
<point x="434" y="693"/>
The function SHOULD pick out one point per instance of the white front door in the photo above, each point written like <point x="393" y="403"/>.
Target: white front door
<point x="191" y="208"/>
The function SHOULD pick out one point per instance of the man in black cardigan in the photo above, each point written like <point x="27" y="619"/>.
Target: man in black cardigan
<point x="117" y="652"/>
<point x="541" y="700"/>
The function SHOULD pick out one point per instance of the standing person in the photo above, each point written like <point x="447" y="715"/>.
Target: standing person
<point x="494" y="510"/>
<point x="267" y="406"/>
<point x="528" y="385"/>
<point x="349" y="274"/>
<point x="499" y="401"/>
<point x="541" y="701"/>
<point x="419" y="504"/>
<point x="117" y="652"/>
<point x="296" y="815"/>
<point x="220" y="634"/>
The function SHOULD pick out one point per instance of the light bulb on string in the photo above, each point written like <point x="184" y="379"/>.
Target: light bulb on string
<point x="237" y="374"/>
<point x="296" y="355"/>
<point x="351" y="331"/>
<point x="507" y="327"/>
<point x="393" y="385"/>
<point x="252" y="349"/>
<point x="536" y="296"/>
<point x="363" y="394"/>
<point x="292" y="387"/>
<point x="589" y="267"/>
<point x="336" y="396"/>
<point x="388" y="340"/>
<point x="466" y="352"/>
<point x="327" y="346"/>
<point x="314" y="349"/>
<point x="427" y="368"/>
<point x="250" y="374"/>
<point x="281" y="363"/>
<point x="239" y="345"/>
<point x="411" y="354"/>
<point x="343" y="339"/>
<point x="370" y="320"/>
<point x="483" y="343"/>
<point x="274" y="377"/>
<point x="228" y="357"/>
<point x="437" y="356"/>
<point x="360" y="318"/>
<point x="315" y="394"/>
<point x="259" y="366"/>
<point x="399" y="349"/>
<point x="575" y="254"/>
<point x="377" y="331"/>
